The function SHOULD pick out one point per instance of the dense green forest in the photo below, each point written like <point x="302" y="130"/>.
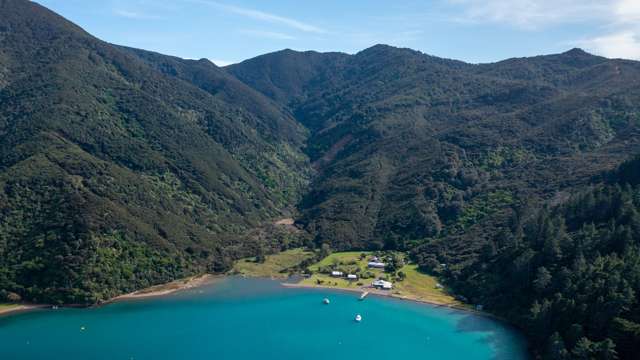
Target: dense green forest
<point x="122" y="168"/>
<point x="442" y="145"/>
<point x="115" y="175"/>
<point x="569" y="274"/>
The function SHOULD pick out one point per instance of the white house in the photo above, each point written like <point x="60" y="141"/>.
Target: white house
<point x="381" y="284"/>
<point x="352" y="277"/>
<point x="376" y="264"/>
<point x="337" y="273"/>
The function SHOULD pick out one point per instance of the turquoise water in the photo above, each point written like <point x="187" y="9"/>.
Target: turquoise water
<point x="257" y="319"/>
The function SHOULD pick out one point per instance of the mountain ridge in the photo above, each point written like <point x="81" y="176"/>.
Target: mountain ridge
<point x="122" y="168"/>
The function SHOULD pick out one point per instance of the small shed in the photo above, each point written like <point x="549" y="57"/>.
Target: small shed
<point x="337" y="273"/>
<point x="352" y="277"/>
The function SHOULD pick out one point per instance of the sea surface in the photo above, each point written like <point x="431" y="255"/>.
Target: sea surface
<point x="240" y="319"/>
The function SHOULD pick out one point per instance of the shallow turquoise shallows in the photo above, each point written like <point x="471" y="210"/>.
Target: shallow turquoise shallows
<point x="257" y="319"/>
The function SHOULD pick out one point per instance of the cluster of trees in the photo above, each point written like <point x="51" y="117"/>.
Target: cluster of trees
<point x="568" y="275"/>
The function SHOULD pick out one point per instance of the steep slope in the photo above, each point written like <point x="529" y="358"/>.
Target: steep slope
<point x="569" y="274"/>
<point x="445" y="147"/>
<point x="115" y="175"/>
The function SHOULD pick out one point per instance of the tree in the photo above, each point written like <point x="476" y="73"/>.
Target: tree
<point x="260" y="256"/>
<point x="393" y="263"/>
<point x="429" y="263"/>
<point x="542" y="280"/>
<point x="606" y="350"/>
<point x="325" y="251"/>
<point x="557" y="349"/>
<point x="583" y="349"/>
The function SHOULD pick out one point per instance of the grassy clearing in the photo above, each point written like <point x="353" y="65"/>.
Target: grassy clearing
<point x="420" y="286"/>
<point x="415" y="286"/>
<point x="273" y="264"/>
<point x="349" y="262"/>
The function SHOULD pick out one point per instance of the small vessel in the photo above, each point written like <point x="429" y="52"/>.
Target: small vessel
<point x="326" y="301"/>
<point x="358" y="318"/>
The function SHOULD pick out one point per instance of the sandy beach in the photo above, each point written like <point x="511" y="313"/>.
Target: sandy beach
<point x="153" y="291"/>
<point x="19" y="308"/>
<point x="168" y="288"/>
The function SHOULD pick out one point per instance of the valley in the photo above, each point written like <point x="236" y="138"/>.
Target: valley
<point x="514" y="184"/>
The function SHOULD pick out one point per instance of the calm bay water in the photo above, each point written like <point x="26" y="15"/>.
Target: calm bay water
<point x="257" y="319"/>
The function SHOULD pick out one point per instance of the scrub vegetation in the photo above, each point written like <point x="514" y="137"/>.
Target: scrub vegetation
<point x="274" y="266"/>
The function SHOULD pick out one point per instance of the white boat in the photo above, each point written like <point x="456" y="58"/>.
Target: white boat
<point x="358" y="318"/>
<point x="326" y="301"/>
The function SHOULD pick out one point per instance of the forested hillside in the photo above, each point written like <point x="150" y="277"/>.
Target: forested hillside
<point x="121" y="168"/>
<point x="488" y="169"/>
<point x="443" y="146"/>
<point x="118" y="171"/>
<point x="569" y="274"/>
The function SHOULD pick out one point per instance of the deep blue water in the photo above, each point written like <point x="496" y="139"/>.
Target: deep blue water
<point x="257" y="319"/>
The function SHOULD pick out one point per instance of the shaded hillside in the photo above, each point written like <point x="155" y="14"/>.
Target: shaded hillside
<point x="568" y="275"/>
<point x="444" y="147"/>
<point x="115" y="174"/>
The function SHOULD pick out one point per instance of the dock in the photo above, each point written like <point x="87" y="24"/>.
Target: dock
<point x="364" y="295"/>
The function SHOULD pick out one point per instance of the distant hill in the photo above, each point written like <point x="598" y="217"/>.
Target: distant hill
<point x="411" y="147"/>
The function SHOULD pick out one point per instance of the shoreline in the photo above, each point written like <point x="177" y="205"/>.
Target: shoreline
<point x="166" y="289"/>
<point x="383" y="293"/>
<point x="197" y="281"/>
<point x="21" y="308"/>
<point x="150" y="292"/>
<point x="403" y="298"/>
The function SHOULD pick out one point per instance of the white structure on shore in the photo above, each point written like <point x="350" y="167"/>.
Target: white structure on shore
<point x="376" y="264"/>
<point x="352" y="277"/>
<point x="337" y="273"/>
<point x="382" y="284"/>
